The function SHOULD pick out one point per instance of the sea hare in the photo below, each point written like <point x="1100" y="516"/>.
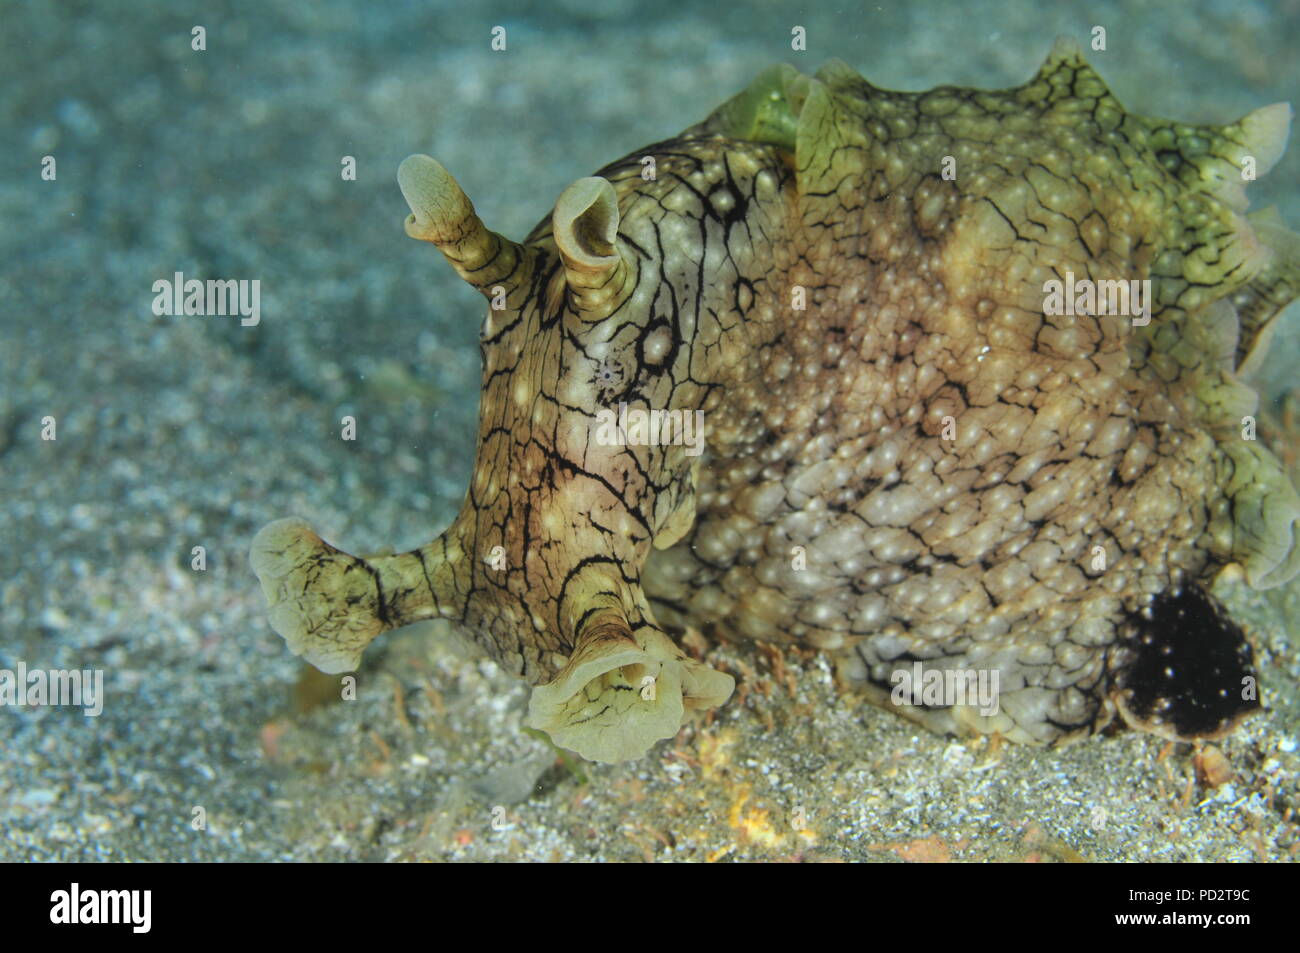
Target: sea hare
<point x="972" y="371"/>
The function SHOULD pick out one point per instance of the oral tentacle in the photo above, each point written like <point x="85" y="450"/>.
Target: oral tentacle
<point x="328" y="605"/>
<point x="625" y="687"/>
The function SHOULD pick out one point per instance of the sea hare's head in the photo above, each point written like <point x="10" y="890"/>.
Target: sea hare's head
<point x="611" y="332"/>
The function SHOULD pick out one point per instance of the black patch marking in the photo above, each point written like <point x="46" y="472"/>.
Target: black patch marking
<point x="1184" y="667"/>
